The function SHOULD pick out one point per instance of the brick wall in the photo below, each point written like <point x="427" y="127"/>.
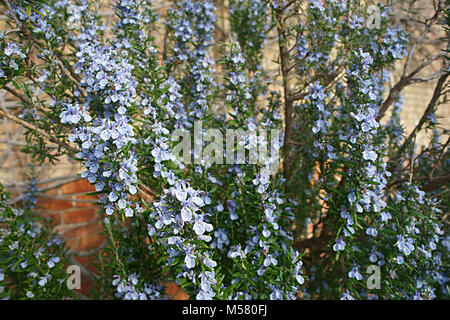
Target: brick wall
<point x="74" y="216"/>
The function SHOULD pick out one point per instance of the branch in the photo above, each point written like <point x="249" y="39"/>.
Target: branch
<point x="24" y="100"/>
<point x="287" y="88"/>
<point x="41" y="132"/>
<point x="147" y="189"/>
<point x="428" y="110"/>
<point x="328" y="80"/>
<point x="428" y="25"/>
<point x="429" y="78"/>
<point x="441" y="154"/>
<point x="71" y="78"/>
<point x="408" y="79"/>
<point x="436" y="183"/>
<point x="18" y="23"/>
<point x="287" y="5"/>
<point x="401" y="84"/>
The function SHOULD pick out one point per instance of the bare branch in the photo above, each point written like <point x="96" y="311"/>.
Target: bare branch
<point x="402" y="83"/>
<point x="25" y="100"/>
<point x="328" y="80"/>
<point x="436" y="183"/>
<point x="439" y="158"/>
<point x="428" y="25"/>
<point x="41" y="132"/>
<point x="434" y="100"/>
<point x="13" y="15"/>
<point x="428" y="110"/>
<point x="429" y="78"/>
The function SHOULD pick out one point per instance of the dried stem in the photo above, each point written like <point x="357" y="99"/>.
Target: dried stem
<point x="41" y="132"/>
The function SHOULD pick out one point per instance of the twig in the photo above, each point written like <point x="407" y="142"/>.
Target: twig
<point x="17" y="21"/>
<point x="401" y="84"/>
<point x="411" y="171"/>
<point x="439" y="158"/>
<point x="38" y="130"/>
<point x="24" y="100"/>
<point x="436" y="183"/>
<point x="428" y="110"/>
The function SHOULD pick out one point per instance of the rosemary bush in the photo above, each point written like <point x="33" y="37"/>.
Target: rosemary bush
<point x="341" y="189"/>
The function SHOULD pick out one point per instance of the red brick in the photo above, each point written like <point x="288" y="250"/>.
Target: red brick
<point x="51" y="192"/>
<point x="171" y="289"/>
<point x="174" y="292"/>
<point x="73" y="244"/>
<point x="86" y="284"/>
<point x="13" y="194"/>
<point x="84" y="203"/>
<point x="54" y="217"/>
<point x="54" y="204"/>
<point x="91" y="242"/>
<point x="87" y="262"/>
<point x="78" y="186"/>
<point x="82" y="231"/>
<point x="181" y="295"/>
<point x="79" y="215"/>
<point x="61" y="229"/>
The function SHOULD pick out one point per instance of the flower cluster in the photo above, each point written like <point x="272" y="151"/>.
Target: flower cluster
<point x="416" y="244"/>
<point x="192" y="24"/>
<point x="180" y="206"/>
<point x="315" y="38"/>
<point x="102" y="126"/>
<point x="126" y="289"/>
<point x="368" y="197"/>
<point x="11" y="58"/>
<point x="29" y="269"/>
